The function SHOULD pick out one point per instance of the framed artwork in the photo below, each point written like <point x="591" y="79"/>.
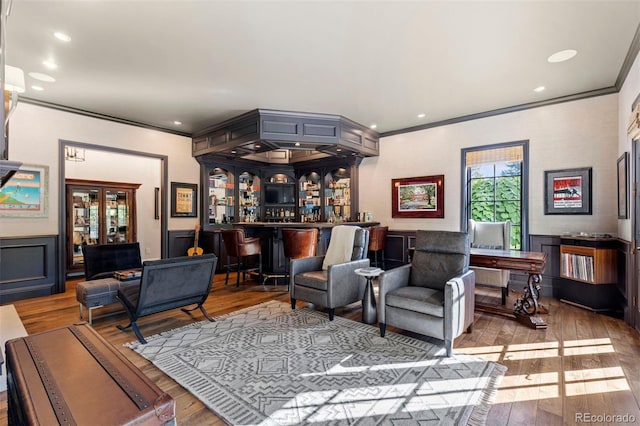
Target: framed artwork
<point x="26" y="193"/>
<point x="567" y="191"/>
<point x="184" y="199"/>
<point x="418" y="197"/>
<point x="623" y="186"/>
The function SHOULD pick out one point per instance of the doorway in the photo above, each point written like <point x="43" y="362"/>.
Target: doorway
<point x="102" y="163"/>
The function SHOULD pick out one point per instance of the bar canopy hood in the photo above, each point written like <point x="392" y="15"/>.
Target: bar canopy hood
<point x="286" y="137"/>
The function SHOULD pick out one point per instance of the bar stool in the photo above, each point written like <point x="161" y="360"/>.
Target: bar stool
<point x="240" y="247"/>
<point x="378" y="236"/>
<point x="298" y="243"/>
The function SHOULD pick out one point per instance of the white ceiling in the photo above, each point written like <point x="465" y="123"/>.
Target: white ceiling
<point x="382" y="62"/>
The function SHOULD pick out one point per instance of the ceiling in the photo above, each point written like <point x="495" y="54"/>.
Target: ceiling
<point x="374" y="62"/>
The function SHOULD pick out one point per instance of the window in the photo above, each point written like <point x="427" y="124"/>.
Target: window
<point x="495" y="183"/>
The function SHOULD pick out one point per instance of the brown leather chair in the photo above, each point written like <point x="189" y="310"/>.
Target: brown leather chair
<point x="238" y="246"/>
<point x="298" y="243"/>
<point x="377" y="238"/>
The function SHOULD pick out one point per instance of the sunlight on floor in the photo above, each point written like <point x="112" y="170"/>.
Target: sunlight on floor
<point x="551" y="385"/>
<point x="353" y="403"/>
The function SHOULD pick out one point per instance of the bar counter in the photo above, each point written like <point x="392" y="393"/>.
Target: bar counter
<point x="273" y="259"/>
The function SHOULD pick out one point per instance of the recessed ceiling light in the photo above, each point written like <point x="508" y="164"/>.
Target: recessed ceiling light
<point x="62" y="36"/>
<point x="38" y="88"/>
<point x="539" y="89"/>
<point x="257" y="145"/>
<point x="373" y="126"/>
<point x="422" y="115"/>
<point x="50" y="64"/>
<point x="42" y="77"/>
<point x="177" y="123"/>
<point x="297" y="144"/>
<point x="563" y="55"/>
<point x="233" y="152"/>
<point x="339" y="149"/>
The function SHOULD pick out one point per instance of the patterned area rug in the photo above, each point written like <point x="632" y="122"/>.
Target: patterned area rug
<point x="269" y="365"/>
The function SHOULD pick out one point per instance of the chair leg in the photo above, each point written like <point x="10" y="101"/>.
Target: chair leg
<point x="226" y="279"/>
<point x="332" y="312"/>
<point x="505" y="293"/>
<point x="448" y="345"/>
<point x="136" y="330"/>
<point x="383" y="329"/>
<point x="382" y="258"/>
<point x="470" y="328"/>
<point x="198" y="306"/>
<point x="293" y="304"/>
<point x="260" y="267"/>
<point x="80" y="310"/>
<point x="238" y="277"/>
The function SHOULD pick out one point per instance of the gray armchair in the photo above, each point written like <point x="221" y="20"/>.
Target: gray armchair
<point x="435" y="294"/>
<point x="491" y="235"/>
<point x="336" y="286"/>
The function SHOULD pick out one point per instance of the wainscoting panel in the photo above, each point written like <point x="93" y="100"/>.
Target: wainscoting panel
<point x="28" y="268"/>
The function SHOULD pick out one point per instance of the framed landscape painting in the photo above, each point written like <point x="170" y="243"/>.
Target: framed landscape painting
<point x="26" y="193"/>
<point x="567" y="191"/>
<point x="418" y="197"/>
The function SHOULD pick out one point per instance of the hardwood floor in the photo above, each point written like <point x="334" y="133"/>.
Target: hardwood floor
<point x="583" y="364"/>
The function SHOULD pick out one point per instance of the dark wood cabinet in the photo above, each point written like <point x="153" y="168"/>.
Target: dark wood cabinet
<point x="98" y="213"/>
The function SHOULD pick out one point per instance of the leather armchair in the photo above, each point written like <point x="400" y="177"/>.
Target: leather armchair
<point x="336" y="286"/>
<point x="491" y="235"/>
<point x="435" y="294"/>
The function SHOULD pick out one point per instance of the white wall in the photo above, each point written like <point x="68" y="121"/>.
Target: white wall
<point x="34" y="138"/>
<point x="628" y="93"/>
<point x="567" y="135"/>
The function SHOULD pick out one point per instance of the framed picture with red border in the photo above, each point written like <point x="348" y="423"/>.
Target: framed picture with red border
<point x="418" y="197"/>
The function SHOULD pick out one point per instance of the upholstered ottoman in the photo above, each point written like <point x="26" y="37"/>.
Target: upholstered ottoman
<point x="97" y="293"/>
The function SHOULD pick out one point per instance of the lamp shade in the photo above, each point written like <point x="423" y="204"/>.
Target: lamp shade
<point x="14" y="79"/>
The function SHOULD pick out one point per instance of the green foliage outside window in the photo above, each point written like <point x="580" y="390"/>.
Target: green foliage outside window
<point x="496" y="196"/>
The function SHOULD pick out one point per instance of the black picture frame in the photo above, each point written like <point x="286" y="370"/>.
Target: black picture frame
<point x="623" y="186"/>
<point x="567" y="191"/>
<point x="184" y="199"/>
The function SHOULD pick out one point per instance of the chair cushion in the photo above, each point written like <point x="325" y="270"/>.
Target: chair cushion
<point x="312" y="279"/>
<point x="439" y="256"/>
<point x="491" y="277"/>
<point x="418" y="299"/>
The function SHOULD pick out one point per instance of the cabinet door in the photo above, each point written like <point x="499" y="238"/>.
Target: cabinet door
<point x="83" y="222"/>
<point x="117" y="220"/>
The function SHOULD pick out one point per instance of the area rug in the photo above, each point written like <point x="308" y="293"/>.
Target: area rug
<point x="270" y="365"/>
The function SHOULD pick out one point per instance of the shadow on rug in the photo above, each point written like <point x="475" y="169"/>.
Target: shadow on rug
<point x="269" y="365"/>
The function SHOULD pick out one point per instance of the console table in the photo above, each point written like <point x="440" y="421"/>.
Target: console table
<point x="525" y="261"/>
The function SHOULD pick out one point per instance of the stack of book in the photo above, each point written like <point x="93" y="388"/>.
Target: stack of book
<point x="127" y="274"/>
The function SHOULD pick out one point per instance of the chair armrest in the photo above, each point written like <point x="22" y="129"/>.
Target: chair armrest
<point x="388" y="281"/>
<point x="305" y="264"/>
<point x="249" y="247"/>
<point x="459" y="303"/>
<point x="344" y="286"/>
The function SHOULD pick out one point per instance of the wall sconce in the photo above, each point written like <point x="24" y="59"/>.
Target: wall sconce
<point x="71" y="153"/>
<point x="14" y="84"/>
